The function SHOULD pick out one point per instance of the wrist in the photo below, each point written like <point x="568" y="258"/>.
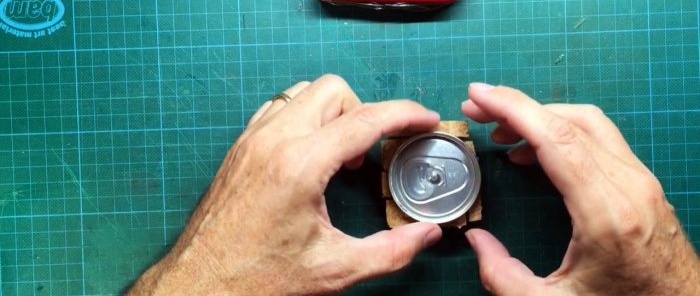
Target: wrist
<point x="170" y="277"/>
<point x="192" y="273"/>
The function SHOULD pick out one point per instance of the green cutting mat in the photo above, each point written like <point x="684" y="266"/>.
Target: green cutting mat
<point x="112" y="127"/>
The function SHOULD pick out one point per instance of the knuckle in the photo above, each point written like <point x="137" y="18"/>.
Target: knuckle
<point x="337" y="280"/>
<point x="488" y="273"/>
<point x="408" y="105"/>
<point x="630" y="223"/>
<point x="670" y="207"/>
<point x="366" y="115"/>
<point x="651" y="189"/>
<point x="561" y="131"/>
<point x="633" y="223"/>
<point x="399" y="259"/>
<point x="334" y="80"/>
<point x="590" y="110"/>
<point x="652" y="185"/>
<point x="397" y="256"/>
<point x="519" y="93"/>
<point x="656" y="195"/>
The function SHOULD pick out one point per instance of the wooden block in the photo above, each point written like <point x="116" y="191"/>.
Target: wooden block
<point x="459" y="129"/>
<point x="470" y="145"/>
<point x="389" y="147"/>
<point x="474" y="214"/>
<point x="395" y="217"/>
<point x="386" y="192"/>
<point x="457" y="223"/>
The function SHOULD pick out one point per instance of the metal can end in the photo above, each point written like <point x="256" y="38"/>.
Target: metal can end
<point x="434" y="177"/>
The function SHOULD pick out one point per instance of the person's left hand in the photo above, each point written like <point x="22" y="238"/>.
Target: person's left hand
<point x="263" y="227"/>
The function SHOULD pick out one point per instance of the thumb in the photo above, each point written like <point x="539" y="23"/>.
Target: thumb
<point x="391" y="250"/>
<point x="500" y="273"/>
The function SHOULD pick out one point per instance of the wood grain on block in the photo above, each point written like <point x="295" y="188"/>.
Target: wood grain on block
<point x="386" y="192"/>
<point x="458" y="223"/>
<point x="395" y="217"/>
<point x="389" y="147"/>
<point x="470" y="145"/>
<point x="458" y="129"/>
<point x="474" y="213"/>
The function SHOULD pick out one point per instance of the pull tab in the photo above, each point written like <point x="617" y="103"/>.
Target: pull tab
<point x="426" y="179"/>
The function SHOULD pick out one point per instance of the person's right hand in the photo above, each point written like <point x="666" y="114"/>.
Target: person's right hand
<point x="626" y="238"/>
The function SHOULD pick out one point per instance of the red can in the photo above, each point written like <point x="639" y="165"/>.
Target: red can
<point x="395" y="4"/>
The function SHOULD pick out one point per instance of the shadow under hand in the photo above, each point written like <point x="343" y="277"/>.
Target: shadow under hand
<point x="524" y="210"/>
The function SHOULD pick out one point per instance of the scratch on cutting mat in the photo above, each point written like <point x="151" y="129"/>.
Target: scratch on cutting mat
<point x="560" y="59"/>
<point x="196" y="79"/>
<point x="198" y="161"/>
<point x="580" y="22"/>
<point x="10" y="196"/>
<point x="82" y="190"/>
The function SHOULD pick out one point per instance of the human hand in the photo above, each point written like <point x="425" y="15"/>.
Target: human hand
<point x="626" y="238"/>
<point x="263" y="228"/>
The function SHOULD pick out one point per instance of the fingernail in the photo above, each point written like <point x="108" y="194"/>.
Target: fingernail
<point x="432" y="237"/>
<point x="435" y="114"/>
<point x="470" y="237"/>
<point x="465" y="103"/>
<point x="515" y="147"/>
<point x="481" y="87"/>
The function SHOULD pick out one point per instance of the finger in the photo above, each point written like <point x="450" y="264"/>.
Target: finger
<point x="522" y="155"/>
<point x="352" y="134"/>
<point x="391" y="250"/>
<point x="589" y="118"/>
<point x="355" y="163"/>
<point x="322" y="101"/>
<point x="500" y="273"/>
<point x="594" y="122"/>
<point x="505" y="135"/>
<point x="292" y="92"/>
<point x="524" y="115"/>
<point x="259" y="113"/>
<point x="473" y="111"/>
<point x="566" y="153"/>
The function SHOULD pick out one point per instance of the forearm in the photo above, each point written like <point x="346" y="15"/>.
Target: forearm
<point x="690" y="275"/>
<point x="167" y="278"/>
<point x="179" y="274"/>
<point x="680" y="275"/>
